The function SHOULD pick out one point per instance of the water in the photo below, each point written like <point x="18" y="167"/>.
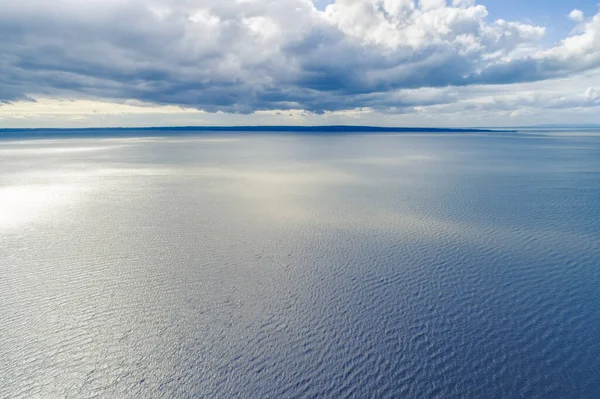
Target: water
<point x="274" y="266"/>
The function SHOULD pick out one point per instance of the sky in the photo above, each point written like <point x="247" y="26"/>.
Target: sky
<point x="95" y="63"/>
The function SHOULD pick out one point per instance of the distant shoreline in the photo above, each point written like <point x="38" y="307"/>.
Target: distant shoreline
<point x="258" y="129"/>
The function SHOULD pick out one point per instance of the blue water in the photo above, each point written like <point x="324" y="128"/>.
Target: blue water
<point x="300" y="265"/>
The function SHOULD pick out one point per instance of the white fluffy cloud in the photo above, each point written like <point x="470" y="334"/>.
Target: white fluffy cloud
<point x="244" y="56"/>
<point x="576" y="53"/>
<point x="455" y="34"/>
<point x="576" y="15"/>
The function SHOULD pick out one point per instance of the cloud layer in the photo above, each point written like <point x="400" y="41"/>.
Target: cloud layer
<point x="244" y="56"/>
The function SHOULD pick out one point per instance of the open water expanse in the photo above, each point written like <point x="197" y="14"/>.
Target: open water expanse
<point x="254" y="265"/>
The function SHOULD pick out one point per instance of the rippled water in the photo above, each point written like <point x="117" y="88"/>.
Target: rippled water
<point x="272" y="266"/>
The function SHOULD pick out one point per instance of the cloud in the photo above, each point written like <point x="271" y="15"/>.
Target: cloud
<point x="576" y="15"/>
<point x="243" y="56"/>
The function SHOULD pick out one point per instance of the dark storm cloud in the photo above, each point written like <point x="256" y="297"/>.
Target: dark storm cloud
<point x="243" y="56"/>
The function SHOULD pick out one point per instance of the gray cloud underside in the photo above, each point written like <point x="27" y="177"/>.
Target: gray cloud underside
<point x="243" y="56"/>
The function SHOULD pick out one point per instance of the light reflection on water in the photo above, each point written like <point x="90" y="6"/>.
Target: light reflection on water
<point x="300" y="265"/>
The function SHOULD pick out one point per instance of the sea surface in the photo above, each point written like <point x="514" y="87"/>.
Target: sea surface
<point x="283" y="265"/>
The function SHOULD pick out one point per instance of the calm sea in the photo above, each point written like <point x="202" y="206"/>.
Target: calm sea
<point x="226" y="265"/>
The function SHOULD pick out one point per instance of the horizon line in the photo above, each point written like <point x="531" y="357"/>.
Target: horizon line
<point x="271" y="128"/>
